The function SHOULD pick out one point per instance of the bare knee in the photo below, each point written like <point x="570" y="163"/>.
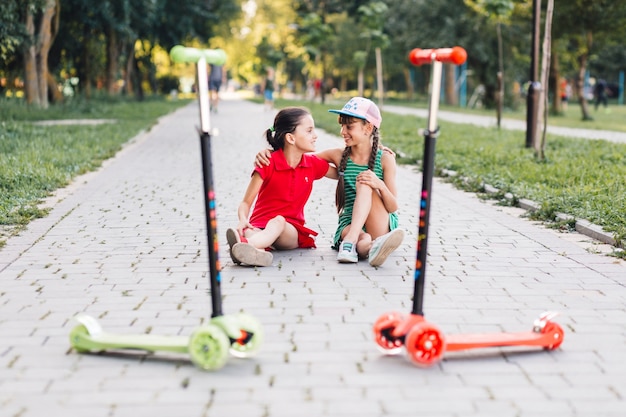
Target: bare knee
<point x="363" y="190"/>
<point x="278" y="222"/>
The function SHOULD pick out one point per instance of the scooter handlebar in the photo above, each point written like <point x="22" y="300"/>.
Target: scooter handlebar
<point x="181" y="54"/>
<point x="456" y="56"/>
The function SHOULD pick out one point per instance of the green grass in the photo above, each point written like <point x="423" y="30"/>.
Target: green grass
<point x="37" y="160"/>
<point x="582" y="178"/>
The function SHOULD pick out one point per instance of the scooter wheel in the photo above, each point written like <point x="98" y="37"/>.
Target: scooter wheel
<point x="208" y="347"/>
<point x="78" y="334"/>
<point x="557" y="333"/>
<point x="383" y="333"/>
<point x="251" y="337"/>
<point x="425" y="344"/>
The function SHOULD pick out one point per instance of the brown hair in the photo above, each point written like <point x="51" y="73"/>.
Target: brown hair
<point x="286" y="121"/>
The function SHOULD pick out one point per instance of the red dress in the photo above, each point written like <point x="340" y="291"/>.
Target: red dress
<point x="285" y="191"/>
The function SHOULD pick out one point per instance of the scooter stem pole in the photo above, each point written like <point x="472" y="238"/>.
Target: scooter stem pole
<point x="203" y="96"/>
<point x="430" y="140"/>
<point x="209" y="191"/>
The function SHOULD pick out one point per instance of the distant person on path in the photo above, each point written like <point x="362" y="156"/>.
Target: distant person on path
<point x="565" y="90"/>
<point x="279" y="192"/>
<point x="366" y="190"/>
<point x="268" y="89"/>
<point x="600" y="93"/>
<point x="215" y="82"/>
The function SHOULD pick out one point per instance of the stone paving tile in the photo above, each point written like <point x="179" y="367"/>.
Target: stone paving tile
<point x="127" y="245"/>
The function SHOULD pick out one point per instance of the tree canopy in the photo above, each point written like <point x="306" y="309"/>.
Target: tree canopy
<point x="117" y="46"/>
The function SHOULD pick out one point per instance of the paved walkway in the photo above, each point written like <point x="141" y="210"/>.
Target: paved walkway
<point x="487" y="121"/>
<point x="127" y="245"/>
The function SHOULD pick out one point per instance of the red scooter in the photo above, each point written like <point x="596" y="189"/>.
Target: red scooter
<point x="424" y="342"/>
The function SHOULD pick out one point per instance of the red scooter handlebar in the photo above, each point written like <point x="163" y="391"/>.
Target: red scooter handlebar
<point x="456" y="55"/>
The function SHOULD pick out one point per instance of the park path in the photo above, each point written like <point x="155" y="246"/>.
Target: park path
<point x="127" y="245"/>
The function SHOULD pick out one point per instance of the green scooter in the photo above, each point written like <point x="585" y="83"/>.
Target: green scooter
<point x="209" y="345"/>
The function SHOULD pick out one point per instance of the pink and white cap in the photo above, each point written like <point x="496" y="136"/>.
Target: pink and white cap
<point x="361" y="108"/>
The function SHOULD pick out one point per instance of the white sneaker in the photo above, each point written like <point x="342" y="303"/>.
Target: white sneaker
<point x="249" y="255"/>
<point x="384" y="245"/>
<point x="347" y="253"/>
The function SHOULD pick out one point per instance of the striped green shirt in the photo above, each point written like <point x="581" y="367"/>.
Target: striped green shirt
<point x="349" y="178"/>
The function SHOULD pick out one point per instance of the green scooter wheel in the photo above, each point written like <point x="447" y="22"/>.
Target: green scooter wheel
<point x="251" y="336"/>
<point x="79" y="334"/>
<point x="208" y="347"/>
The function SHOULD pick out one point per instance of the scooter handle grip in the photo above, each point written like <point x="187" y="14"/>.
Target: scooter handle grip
<point x="456" y="56"/>
<point x="181" y="54"/>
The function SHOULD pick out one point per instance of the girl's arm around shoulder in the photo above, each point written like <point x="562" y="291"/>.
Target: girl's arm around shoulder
<point x="332" y="173"/>
<point x="333" y="156"/>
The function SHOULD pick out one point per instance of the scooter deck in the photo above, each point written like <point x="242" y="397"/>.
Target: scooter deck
<point x="89" y="336"/>
<point x="457" y="342"/>
<point x="545" y="333"/>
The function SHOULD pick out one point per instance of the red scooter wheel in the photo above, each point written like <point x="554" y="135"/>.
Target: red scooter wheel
<point x="425" y="344"/>
<point x="557" y="334"/>
<point x="384" y="329"/>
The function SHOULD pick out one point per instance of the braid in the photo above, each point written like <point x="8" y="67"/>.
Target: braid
<point x="340" y="197"/>
<point x="375" y="142"/>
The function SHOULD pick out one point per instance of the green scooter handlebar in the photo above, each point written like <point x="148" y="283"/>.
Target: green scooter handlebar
<point x="182" y="54"/>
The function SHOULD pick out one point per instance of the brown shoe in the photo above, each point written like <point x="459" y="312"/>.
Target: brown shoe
<point x="249" y="255"/>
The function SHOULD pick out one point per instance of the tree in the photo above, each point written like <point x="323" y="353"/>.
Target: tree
<point x="587" y="24"/>
<point x="41" y="24"/>
<point x="498" y="11"/>
<point x="427" y="24"/>
<point x="372" y="18"/>
<point x="542" y="121"/>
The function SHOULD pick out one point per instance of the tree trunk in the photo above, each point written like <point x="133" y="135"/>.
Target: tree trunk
<point x="360" y="82"/>
<point x="580" y="83"/>
<point x="130" y="64"/>
<point x="450" y="84"/>
<point x="500" y="75"/>
<point x="43" y="48"/>
<point x="555" y="78"/>
<point x="31" y="84"/>
<point x="410" y="88"/>
<point x="138" y="78"/>
<point x="112" y="60"/>
<point x="542" y="119"/>
<point x="55" y="94"/>
<point x="379" y="77"/>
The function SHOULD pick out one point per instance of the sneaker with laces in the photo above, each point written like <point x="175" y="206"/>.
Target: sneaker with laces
<point x="347" y="253"/>
<point x="384" y="245"/>
<point x="249" y="255"/>
<point x="232" y="237"/>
